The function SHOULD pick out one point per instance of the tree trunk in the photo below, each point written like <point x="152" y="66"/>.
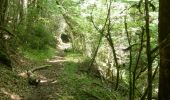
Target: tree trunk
<point x="164" y="34"/>
<point x="3" y="8"/>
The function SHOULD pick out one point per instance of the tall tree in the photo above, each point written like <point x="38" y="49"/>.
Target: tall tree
<point x="164" y="41"/>
<point x="4" y="59"/>
<point x="3" y="8"/>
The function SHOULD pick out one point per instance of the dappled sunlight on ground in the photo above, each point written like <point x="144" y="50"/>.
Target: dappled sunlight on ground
<point x="63" y="46"/>
<point x="56" y="59"/>
<point x="13" y="96"/>
<point x="23" y="74"/>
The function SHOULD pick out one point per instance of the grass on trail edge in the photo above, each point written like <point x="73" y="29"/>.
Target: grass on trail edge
<point x="39" y="55"/>
<point x="82" y="86"/>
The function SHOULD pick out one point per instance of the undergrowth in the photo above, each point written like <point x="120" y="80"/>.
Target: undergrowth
<point x="38" y="55"/>
<point x="82" y="86"/>
<point x="12" y="84"/>
<point x="72" y="82"/>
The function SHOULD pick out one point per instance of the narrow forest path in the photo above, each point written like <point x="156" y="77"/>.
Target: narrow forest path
<point x="49" y="87"/>
<point x="66" y="78"/>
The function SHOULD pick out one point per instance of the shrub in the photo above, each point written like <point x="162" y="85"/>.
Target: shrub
<point x="38" y="37"/>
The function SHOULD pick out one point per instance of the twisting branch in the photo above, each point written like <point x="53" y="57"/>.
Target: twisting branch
<point x="104" y="26"/>
<point x="111" y="43"/>
<point x="101" y="35"/>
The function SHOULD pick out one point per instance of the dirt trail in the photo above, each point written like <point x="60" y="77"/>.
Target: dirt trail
<point x="49" y="88"/>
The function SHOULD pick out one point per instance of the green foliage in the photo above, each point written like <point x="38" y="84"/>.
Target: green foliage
<point x="38" y="55"/>
<point x="38" y="37"/>
<point x="133" y="11"/>
<point x="37" y="41"/>
<point x="79" y="85"/>
<point x="36" y="28"/>
<point x="36" y="31"/>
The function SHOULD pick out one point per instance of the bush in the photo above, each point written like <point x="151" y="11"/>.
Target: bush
<point x="38" y="37"/>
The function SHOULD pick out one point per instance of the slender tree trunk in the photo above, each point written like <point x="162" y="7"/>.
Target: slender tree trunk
<point x="109" y="39"/>
<point x="164" y="34"/>
<point x="137" y="61"/>
<point x="24" y="4"/>
<point x="131" y="81"/>
<point x="3" y="9"/>
<point x="148" y="50"/>
<point x="23" y="13"/>
<point x="111" y="43"/>
<point x="95" y="53"/>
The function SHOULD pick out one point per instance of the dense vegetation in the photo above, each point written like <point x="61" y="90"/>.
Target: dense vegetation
<point x="84" y="49"/>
